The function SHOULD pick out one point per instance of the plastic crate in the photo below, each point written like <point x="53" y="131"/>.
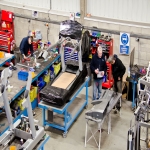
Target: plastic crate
<point x="19" y="103"/>
<point x="57" y="68"/>
<point x="33" y="74"/>
<point x="35" y="91"/>
<point x="51" y="69"/>
<point x="47" y="78"/>
<point x="23" y="75"/>
<point x="41" y="83"/>
<point x="32" y="95"/>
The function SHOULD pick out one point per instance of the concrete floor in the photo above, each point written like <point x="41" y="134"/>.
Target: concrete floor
<point x="117" y="140"/>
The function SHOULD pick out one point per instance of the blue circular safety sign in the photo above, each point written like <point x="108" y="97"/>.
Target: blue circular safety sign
<point x="124" y="39"/>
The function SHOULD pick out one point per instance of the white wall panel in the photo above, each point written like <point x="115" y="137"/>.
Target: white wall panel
<point x="128" y="10"/>
<point x="66" y="5"/>
<point x="44" y="4"/>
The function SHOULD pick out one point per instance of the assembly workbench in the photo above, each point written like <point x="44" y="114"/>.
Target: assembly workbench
<point x="19" y="85"/>
<point x="39" y="146"/>
<point x="66" y="115"/>
<point x="19" y="88"/>
<point x="6" y="59"/>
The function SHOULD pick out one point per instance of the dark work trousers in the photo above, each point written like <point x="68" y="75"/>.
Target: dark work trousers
<point x="18" y="56"/>
<point x="118" y="88"/>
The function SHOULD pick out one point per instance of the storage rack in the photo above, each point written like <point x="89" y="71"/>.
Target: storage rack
<point x="6" y="30"/>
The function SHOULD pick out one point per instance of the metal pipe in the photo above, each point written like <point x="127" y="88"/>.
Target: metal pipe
<point x="85" y="27"/>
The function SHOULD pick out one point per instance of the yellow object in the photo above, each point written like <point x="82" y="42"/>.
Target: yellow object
<point x="90" y="56"/>
<point x="35" y="92"/>
<point x="9" y="89"/>
<point x="57" y="68"/>
<point x="13" y="148"/>
<point x="47" y="78"/>
<point x="2" y="54"/>
<point x="33" y="74"/>
<point x="19" y="103"/>
<point x="32" y="95"/>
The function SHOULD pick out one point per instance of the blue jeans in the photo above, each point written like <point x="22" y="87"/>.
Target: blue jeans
<point x="97" y="88"/>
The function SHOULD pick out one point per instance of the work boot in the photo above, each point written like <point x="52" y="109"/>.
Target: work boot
<point x="118" y="107"/>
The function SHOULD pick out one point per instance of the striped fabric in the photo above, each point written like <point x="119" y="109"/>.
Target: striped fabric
<point x="67" y="56"/>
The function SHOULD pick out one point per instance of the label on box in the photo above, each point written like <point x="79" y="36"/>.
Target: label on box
<point x="10" y="16"/>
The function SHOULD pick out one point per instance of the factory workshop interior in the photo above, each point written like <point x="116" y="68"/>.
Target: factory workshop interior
<point x="74" y="74"/>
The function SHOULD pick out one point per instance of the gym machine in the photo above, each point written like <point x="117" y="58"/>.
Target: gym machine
<point x="73" y="71"/>
<point x="141" y="116"/>
<point x="24" y="128"/>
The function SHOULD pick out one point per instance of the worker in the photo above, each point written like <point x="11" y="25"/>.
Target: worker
<point x="118" y="70"/>
<point x="26" y="45"/>
<point x="98" y="68"/>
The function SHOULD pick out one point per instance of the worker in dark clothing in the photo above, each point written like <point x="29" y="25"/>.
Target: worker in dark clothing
<point x="98" y="68"/>
<point x="118" y="70"/>
<point x="25" y="46"/>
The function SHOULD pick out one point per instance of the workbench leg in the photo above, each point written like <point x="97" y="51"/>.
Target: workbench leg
<point x="43" y="117"/>
<point x="86" y="133"/>
<point x="65" y="132"/>
<point x="109" y="123"/>
<point x="42" y="148"/>
<point x="100" y="132"/>
<point x="120" y="105"/>
<point x="86" y="93"/>
<point x="133" y="100"/>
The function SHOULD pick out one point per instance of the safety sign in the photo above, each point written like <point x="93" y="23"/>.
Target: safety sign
<point x="124" y="43"/>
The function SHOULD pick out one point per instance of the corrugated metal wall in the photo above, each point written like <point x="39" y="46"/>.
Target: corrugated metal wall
<point x="66" y="5"/>
<point x="57" y="5"/>
<point x="129" y="10"/>
<point x="32" y="3"/>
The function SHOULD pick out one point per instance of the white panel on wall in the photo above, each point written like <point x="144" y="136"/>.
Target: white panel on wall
<point x="66" y="5"/>
<point x="44" y="4"/>
<point x="127" y="10"/>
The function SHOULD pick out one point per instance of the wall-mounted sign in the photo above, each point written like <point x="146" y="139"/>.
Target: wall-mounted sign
<point x="34" y="14"/>
<point x="124" y="43"/>
<point x="72" y="16"/>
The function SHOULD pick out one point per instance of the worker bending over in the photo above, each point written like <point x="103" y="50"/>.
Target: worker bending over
<point x="118" y="70"/>
<point x="26" y="46"/>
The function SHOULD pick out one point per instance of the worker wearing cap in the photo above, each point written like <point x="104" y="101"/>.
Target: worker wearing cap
<point x="26" y="46"/>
